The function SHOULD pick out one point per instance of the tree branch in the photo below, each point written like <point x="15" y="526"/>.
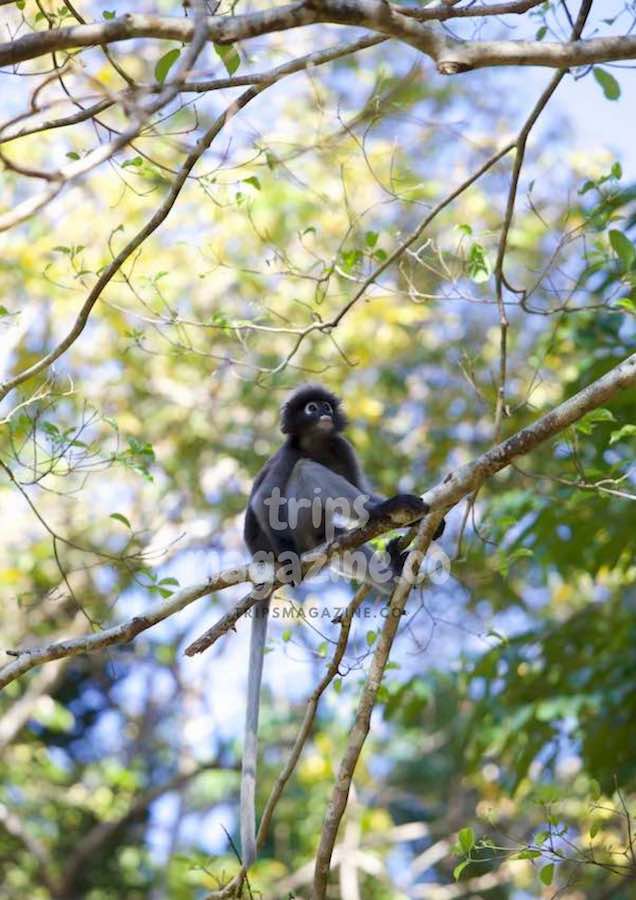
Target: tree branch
<point x="118" y="634"/>
<point x="124" y="632"/>
<point x="440" y="498"/>
<point x="450" y="55"/>
<point x="366" y="704"/>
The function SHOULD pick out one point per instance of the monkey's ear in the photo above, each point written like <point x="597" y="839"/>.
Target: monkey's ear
<point x="339" y="417"/>
<point x="285" y="418"/>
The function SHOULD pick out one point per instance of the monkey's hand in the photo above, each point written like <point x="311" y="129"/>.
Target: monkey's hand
<point x="403" y="509"/>
<point x="406" y="509"/>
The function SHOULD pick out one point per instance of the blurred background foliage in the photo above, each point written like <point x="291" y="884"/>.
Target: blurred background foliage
<point x="508" y="715"/>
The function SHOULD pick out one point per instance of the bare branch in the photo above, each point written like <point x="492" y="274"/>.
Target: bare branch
<point x="362" y="721"/>
<point x="474" y="11"/>
<point x="376" y="15"/>
<point x="451" y="56"/>
<point x="310" y="714"/>
<point x="119" y="634"/>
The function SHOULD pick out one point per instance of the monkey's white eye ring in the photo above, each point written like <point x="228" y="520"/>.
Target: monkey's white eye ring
<point x="311" y="408"/>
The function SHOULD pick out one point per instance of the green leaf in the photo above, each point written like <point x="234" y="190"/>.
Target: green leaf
<point x="623" y="248"/>
<point x="459" y="868"/>
<point x="271" y="160"/>
<point x="611" y="87"/>
<point x="547" y="874"/>
<point x="372" y="636"/>
<point x="626" y="431"/>
<point x="136" y="161"/>
<point x="109" y="14"/>
<point x="72" y="155"/>
<point x="166" y="62"/>
<point x="371" y="238"/>
<point x="626" y="304"/>
<point x="478" y="265"/>
<point x="588" y="423"/>
<point x="229" y="57"/>
<point x="172" y="581"/>
<point x="527" y="854"/>
<point x="3" y="311"/>
<point x="286" y="635"/>
<point x="321" y="649"/>
<point x="466" y="838"/>
<point x="253" y="180"/>
<point x="595" y="789"/>
<point x="541" y="33"/>
<point x="120" y="518"/>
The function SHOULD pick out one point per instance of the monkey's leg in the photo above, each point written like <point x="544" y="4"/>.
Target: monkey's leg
<point x="317" y="496"/>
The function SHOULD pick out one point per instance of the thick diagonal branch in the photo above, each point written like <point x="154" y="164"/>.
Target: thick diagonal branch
<point x="440" y="498"/>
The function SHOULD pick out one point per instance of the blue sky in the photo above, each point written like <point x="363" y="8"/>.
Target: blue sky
<point x="597" y="121"/>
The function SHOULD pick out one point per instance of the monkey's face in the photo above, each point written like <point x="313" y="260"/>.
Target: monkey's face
<point x="312" y="409"/>
<point x="318" y="415"/>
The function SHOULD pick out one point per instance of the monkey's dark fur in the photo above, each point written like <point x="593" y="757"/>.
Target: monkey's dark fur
<point x="315" y="460"/>
<point x="310" y="437"/>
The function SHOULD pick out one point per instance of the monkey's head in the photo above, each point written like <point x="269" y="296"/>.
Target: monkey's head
<point x="312" y="408"/>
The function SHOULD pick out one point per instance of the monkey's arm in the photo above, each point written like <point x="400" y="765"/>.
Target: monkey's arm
<point x="376" y="504"/>
<point x="337" y="499"/>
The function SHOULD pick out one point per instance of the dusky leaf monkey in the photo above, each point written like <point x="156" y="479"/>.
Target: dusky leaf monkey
<point x="296" y="500"/>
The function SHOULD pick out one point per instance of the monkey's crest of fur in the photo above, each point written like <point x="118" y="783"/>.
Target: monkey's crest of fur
<point x="291" y="419"/>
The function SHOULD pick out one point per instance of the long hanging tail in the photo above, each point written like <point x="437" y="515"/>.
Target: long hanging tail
<point x="250" y="739"/>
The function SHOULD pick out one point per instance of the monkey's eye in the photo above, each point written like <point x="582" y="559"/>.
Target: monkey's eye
<point x="327" y="408"/>
<point x="311" y="408"/>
